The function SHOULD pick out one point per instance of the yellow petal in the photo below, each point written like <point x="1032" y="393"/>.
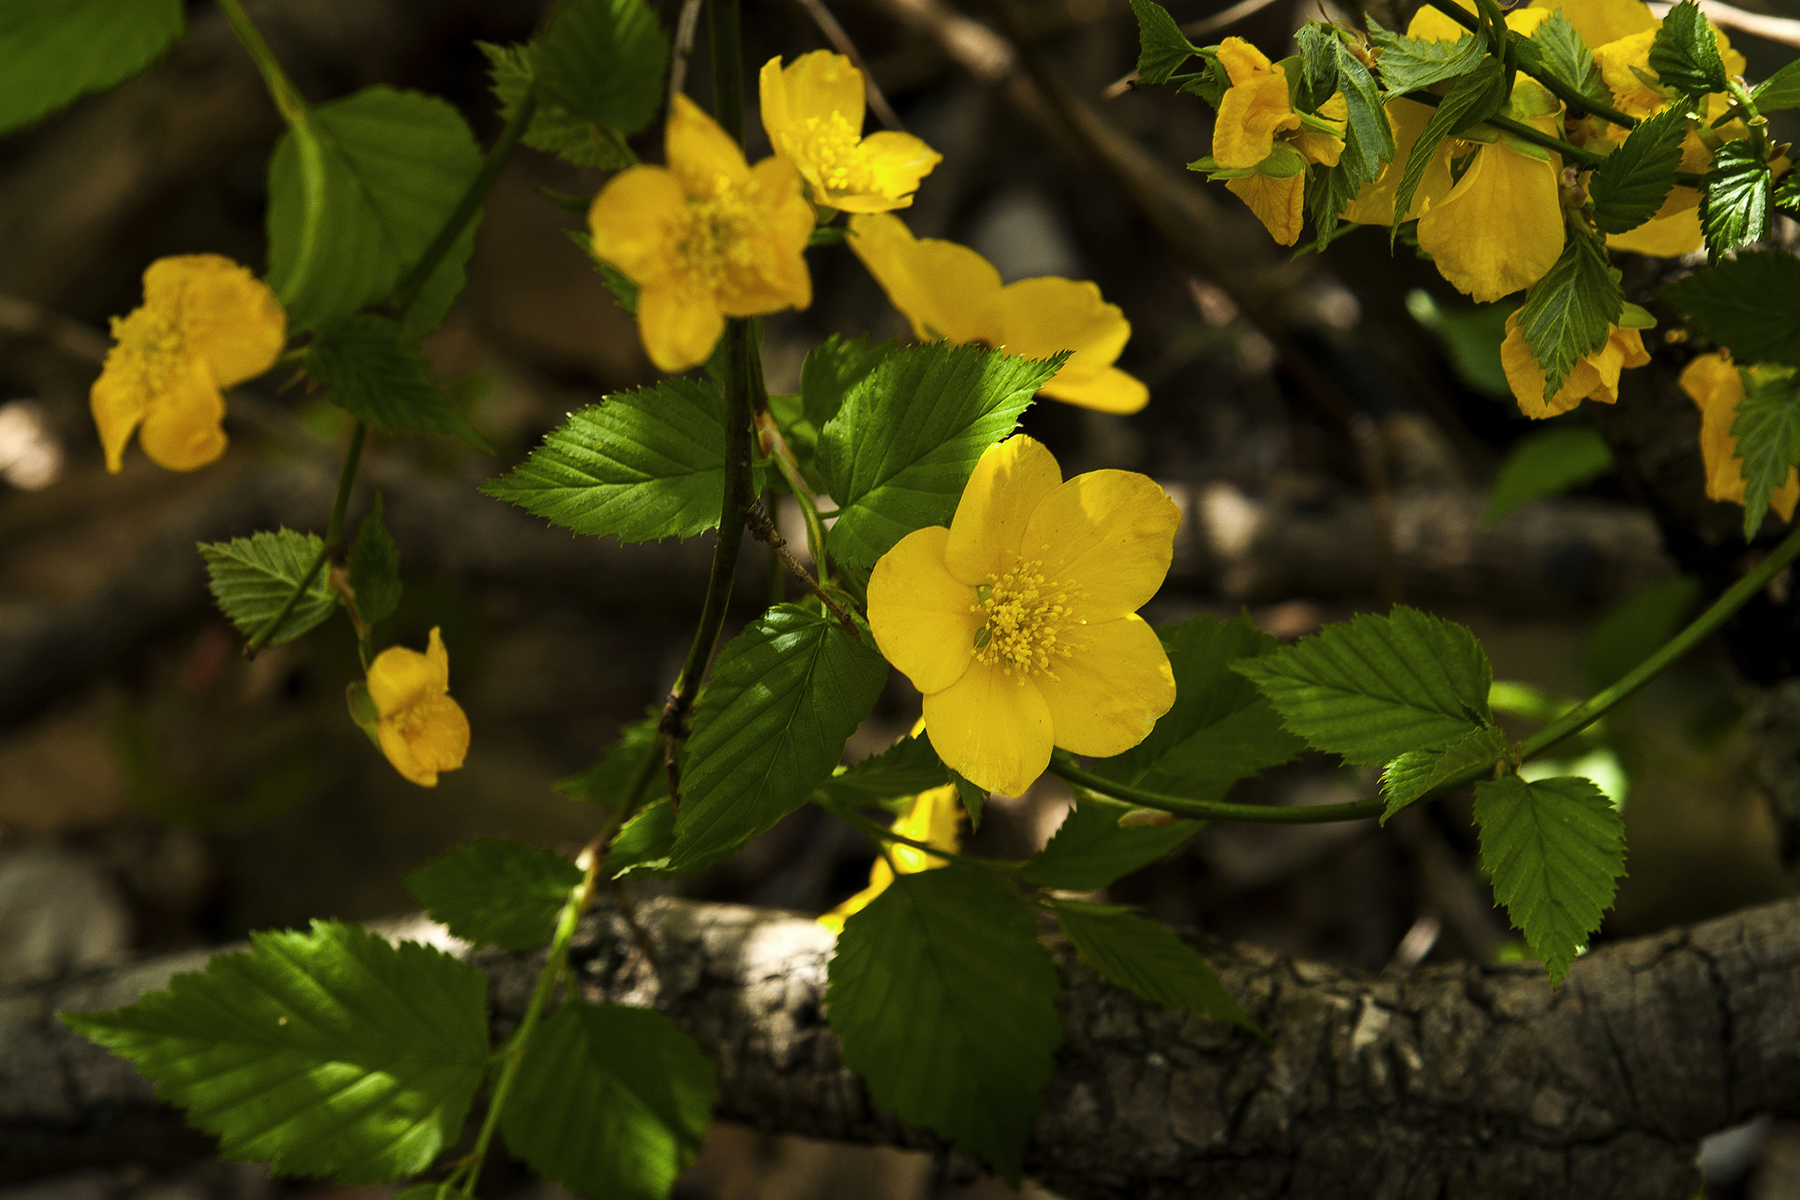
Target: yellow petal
<point x="1277" y="203"/>
<point x="1008" y="483"/>
<point x="632" y="222"/>
<point x="1322" y="148"/>
<point x="773" y="273"/>
<point x="429" y="737"/>
<point x="1038" y="318"/>
<point x="933" y="819"/>
<point x="1525" y="21"/>
<point x="894" y="164"/>
<point x="1713" y="384"/>
<point x="679" y="324"/>
<point x="1374" y="204"/>
<point x="1602" y="21"/>
<point x="227" y="316"/>
<point x="1616" y="57"/>
<point x="401" y="677"/>
<point x="701" y="154"/>
<point x="1630" y="344"/>
<point x="1250" y="114"/>
<point x="1242" y="61"/>
<point x="1110" y="391"/>
<point x="879" y="879"/>
<point x="184" y="423"/>
<point x="118" y="400"/>
<point x="1665" y="237"/>
<point x="1106" y="695"/>
<point x="1500" y="228"/>
<point x="1107" y="537"/>
<point x="1434" y="26"/>
<point x="924" y="619"/>
<point x="943" y="289"/>
<point x="992" y="728"/>
<point x="817" y="85"/>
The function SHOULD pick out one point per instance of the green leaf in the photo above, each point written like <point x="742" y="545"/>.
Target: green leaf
<point x="1471" y="338"/>
<point x="1090" y="850"/>
<point x="1376" y="687"/>
<point x="1767" y="432"/>
<point x="1685" y="54"/>
<point x="1631" y="183"/>
<point x="833" y="367"/>
<point x="946" y="1005"/>
<point x="1635" y="629"/>
<point x="374" y="566"/>
<point x="638" y="466"/>
<point x="897" y="454"/>
<point x="604" y="61"/>
<point x="553" y="129"/>
<point x="1417" y="772"/>
<point x="646" y="844"/>
<point x="253" y="577"/>
<point x="1162" y="47"/>
<point x="1734" y="201"/>
<point x="1368" y="141"/>
<point x="610" y="1101"/>
<point x="1749" y="304"/>
<point x="1317" y="78"/>
<point x="371" y="369"/>
<point x="57" y="52"/>
<point x="1557" y="49"/>
<point x="322" y="1053"/>
<point x="1780" y="90"/>
<point x="609" y="780"/>
<point x="1554" y="850"/>
<point x="1570" y="312"/>
<point x="908" y="767"/>
<point x="973" y="797"/>
<point x="786" y="695"/>
<point x="1546" y="463"/>
<point x="496" y="892"/>
<point x="394" y="165"/>
<point x="1474" y="98"/>
<point x="1408" y="64"/>
<point x="1148" y="960"/>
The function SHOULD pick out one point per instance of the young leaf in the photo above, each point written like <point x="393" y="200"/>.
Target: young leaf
<point x="1630" y="184"/>
<point x="394" y="166"/>
<point x="370" y="368"/>
<point x="1767" y="431"/>
<point x="1162" y="47"/>
<point x="1368" y="142"/>
<point x="1780" y="90"/>
<point x="55" y="53"/>
<point x="1474" y="98"/>
<point x="1376" y="687"/>
<point x="1554" y="850"/>
<point x="1557" y="49"/>
<point x="610" y="1101"/>
<point x="322" y="1053"/>
<point x="553" y="128"/>
<point x="637" y="466"/>
<point x="253" y="577"/>
<point x="897" y="454"/>
<point x="1144" y="958"/>
<point x="1408" y="64"/>
<point x="1090" y="849"/>
<point x="1419" y="771"/>
<point x="610" y="779"/>
<point x="604" y="61"/>
<point x="832" y="368"/>
<point x="374" y="566"/>
<point x="1749" y="304"/>
<point x="1546" y="463"/>
<point x="646" y="844"/>
<point x="1570" y="312"/>
<point x="1734" y="203"/>
<point x="786" y="695"/>
<point x="946" y="1005"/>
<point x="907" y="768"/>
<point x="496" y="892"/>
<point x="1685" y="54"/>
<point x="1317" y="42"/>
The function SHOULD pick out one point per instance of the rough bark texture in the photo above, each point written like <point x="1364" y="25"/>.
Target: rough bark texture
<point x="1453" y="1082"/>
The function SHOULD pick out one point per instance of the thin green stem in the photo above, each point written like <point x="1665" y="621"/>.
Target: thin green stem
<point x="1062" y="763"/>
<point x="281" y="89"/>
<point x="1753" y="120"/>
<point x="1549" y="141"/>
<point x="880" y="834"/>
<point x="1558" y="88"/>
<point x="334" y="537"/>
<point x="723" y="24"/>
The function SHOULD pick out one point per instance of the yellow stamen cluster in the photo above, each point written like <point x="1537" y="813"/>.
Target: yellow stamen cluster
<point x="151" y="345"/>
<point x="1024" y="616"/>
<point x="712" y="235"/>
<point x="831" y="144"/>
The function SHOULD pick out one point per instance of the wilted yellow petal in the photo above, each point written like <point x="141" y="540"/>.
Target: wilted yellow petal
<point x="1106" y="693"/>
<point x="1107" y="538"/>
<point x="118" y="401"/>
<point x="1278" y="203"/>
<point x="943" y="289"/>
<point x="1250" y="114"/>
<point x="924" y="618"/>
<point x="1713" y="384"/>
<point x="1008" y="483"/>
<point x="991" y="727"/>
<point x="1500" y="228"/>
<point x="401" y="677"/>
<point x="1242" y="61"/>
<point x="1602" y="21"/>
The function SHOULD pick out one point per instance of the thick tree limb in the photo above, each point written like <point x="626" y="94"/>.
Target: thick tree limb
<point x="1457" y="1081"/>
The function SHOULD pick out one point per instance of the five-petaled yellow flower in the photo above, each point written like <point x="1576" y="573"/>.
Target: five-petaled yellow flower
<point x="206" y="324"/>
<point x="813" y="112"/>
<point x="1712" y="382"/>
<point x="421" y="729"/>
<point x="704" y="238"/>
<point x="933" y="819"/>
<point x="1257" y="130"/>
<point x="1018" y="622"/>
<point x="1595" y="377"/>
<point x="949" y="291"/>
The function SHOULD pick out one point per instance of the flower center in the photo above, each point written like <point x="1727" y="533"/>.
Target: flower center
<point x="712" y="235"/>
<point x="155" y="342"/>
<point x="834" y="149"/>
<point x="1024" y="618"/>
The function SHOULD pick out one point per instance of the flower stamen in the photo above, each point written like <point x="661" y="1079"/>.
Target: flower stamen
<point x="1025" y="616"/>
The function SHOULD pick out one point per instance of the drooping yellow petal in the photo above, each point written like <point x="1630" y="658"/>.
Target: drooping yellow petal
<point x="1107" y="538"/>
<point x="1250" y="114"/>
<point x="1243" y="61"/>
<point x="1109" y="391"/>
<point x="228" y="317"/>
<point x="1106" y="693"/>
<point x="422" y="731"/>
<point x="118" y="401"/>
<point x="701" y="154"/>
<point x="991" y="727"/>
<point x="632" y="219"/>
<point x="924" y="618"/>
<point x="1665" y="237"/>
<point x="1008" y="483"/>
<point x="1038" y="318"/>
<point x="679" y="324"/>
<point x="1712" y="382"/>
<point x="1434" y="26"/>
<point x="1374" y="204"/>
<point x="1277" y="203"/>
<point x="943" y="289"/>
<point x="1586" y="379"/>
<point x="1501" y="227"/>
<point x="184" y="425"/>
<point x="1602" y="21"/>
<point x="401" y="677"/>
<point x="933" y="819"/>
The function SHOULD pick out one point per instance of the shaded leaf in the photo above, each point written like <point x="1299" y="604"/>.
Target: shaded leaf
<point x="1418" y="772"/>
<point x="57" y="52"/>
<point x="1408" y="64"/>
<point x="1570" y="312"/>
<point x="496" y="892"/>
<point x="1734" y="201"/>
<point x="369" y="368"/>
<point x="1162" y="47"/>
<point x="1767" y="432"/>
<point x="253" y="577"/>
<point x="906" y="768"/>
<point x="610" y="779"/>
<point x="1148" y="960"/>
<point x="1090" y="850"/>
<point x="1685" y="54"/>
<point x="553" y="128"/>
<point x="374" y="566"/>
<point x="1546" y="463"/>
<point x="1631" y="183"/>
<point x="604" y="61"/>
<point x="1749" y="304"/>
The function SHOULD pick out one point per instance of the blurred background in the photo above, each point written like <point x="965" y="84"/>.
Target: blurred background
<point x="1331" y="427"/>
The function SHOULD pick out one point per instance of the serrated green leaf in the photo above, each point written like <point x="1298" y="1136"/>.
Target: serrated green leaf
<point x="834" y="367"/>
<point x="1555" y="48"/>
<point x="771" y="724"/>
<point x="946" y="1005"/>
<point x="604" y="61"/>
<point x="1554" y="850"/>
<point x="973" y="797"/>
<point x="1546" y="463"/>
<point x="898" y="453"/>
<point x="610" y="1101"/>
<point x="1570" y="312"/>
<point x="908" y="767"/>
<point x="1417" y="772"/>
<point x="323" y="1053"/>
<point x="1368" y="143"/>
<point x="374" y="566"/>
<point x="1767" y="432"/>
<point x="371" y="369"/>
<point x="1749" y="304"/>
<point x="496" y="892"/>
<point x="1631" y="183"/>
<point x="253" y="577"/>
<point x="1317" y="78"/>
<point x="553" y="129"/>
<point x="1407" y="64"/>
<point x="1685" y="54"/>
<point x="1146" y="959"/>
<point x="1734" y="201"/>
<point x="1780" y="90"/>
<point x="1373" y="688"/>
<point x="610" y="778"/>
<point x="646" y="844"/>
<point x="1090" y="850"/>
<point x="1635" y="629"/>
<point x="1162" y="47"/>
<point x="1474" y="98"/>
<point x="394" y="166"/>
<point x="637" y="466"/>
<point x="55" y="53"/>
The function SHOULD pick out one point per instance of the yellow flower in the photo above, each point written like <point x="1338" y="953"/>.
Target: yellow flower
<point x="949" y="291"/>
<point x="813" y="112"/>
<point x="1255" y="117"/>
<point x="1712" y="382"/>
<point x="1018" y="622"/>
<point x="933" y="819"/>
<point x="1595" y="377"/>
<point x="206" y="324"/>
<point x="704" y="238"/>
<point x="1602" y="21"/>
<point x="421" y="729"/>
<point x="1621" y="61"/>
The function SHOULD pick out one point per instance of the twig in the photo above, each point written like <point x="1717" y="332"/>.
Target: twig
<point x="834" y="33"/>
<point x="686" y="26"/>
<point x="22" y="318"/>
<point x="763" y="530"/>
<point x="1193" y="29"/>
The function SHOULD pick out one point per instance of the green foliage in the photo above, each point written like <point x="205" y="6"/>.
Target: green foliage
<point x="1418" y="772"/>
<point x="1474" y="98"/>
<point x="1470" y="337"/>
<point x="253" y="577"/>
<point x="638" y="466"/>
<point x="973" y="798"/>
<point x="897" y="454"/>
<point x="1767" y="430"/>
<point x="496" y="892"/>
<point x="1635" y="629"/>
<point x="1749" y="304"/>
<point x="56" y="52"/>
<point x="1546" y="463"/>
<point x="1368" y="138"/>
<point x="1556" y="49"/>
<point x="1685" y="54"/>
<point x="1144" y="958"/>
<point x="610" y="1101"/>
<point x="1734" y="204"/>
<point x="390" y="167"/>
<point x="267" y="1049"/>
<point x="1090" y="849"/>
<point x="1570" y="312"/>
<point x="609" y="780"/>
<point x="1408" y="64"/>
<point x="786" y="695"/>
<point x="1162" y="47"/>
<point x="1554" y="850"/>
<point x="370" y="368"/>
<point x="553" y="128"/>
<point x="1780" y="90"/>
<point x="1631" y="183"/>
<point x="603" y="62"/>
<point x="946" y="1005"/>
<point x="1376" y="687"/>
<point x="374" y="566"/>
<point x="908" y="767"/>
<point x="832" y="369"/>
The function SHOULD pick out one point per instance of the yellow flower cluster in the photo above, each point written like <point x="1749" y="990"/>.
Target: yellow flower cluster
<point x="935" y="818"/>
<point x="421" y="729"/>
<point x="1259" y="132"/>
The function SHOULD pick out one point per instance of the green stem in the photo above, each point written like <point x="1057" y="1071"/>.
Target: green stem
<point x="1753" y="120"/>
<point x="281" y="89"/>
<point x="1558" y="88"/>
<point x="880" y="834"/>
<point x="723" y="23"/>
<point x="334" y="537"/>
<point x="1549" y="141"/>
<point x="1062" y="763"/>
